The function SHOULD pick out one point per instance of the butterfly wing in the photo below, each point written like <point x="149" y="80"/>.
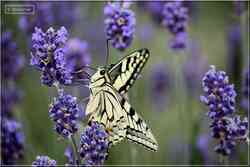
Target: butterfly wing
<point x="125" y="72"/>
<point x="105" y="109"/>
<point x="137" y="129"/>
<point x="111" y="110"/>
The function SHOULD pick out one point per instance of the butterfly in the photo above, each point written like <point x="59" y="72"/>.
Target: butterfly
<point x="108" y="106"/>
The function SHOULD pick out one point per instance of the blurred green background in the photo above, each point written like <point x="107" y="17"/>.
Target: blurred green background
<point x="180" y="121"/>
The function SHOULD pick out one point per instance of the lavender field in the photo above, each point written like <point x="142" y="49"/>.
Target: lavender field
<point x="124" y="83"/>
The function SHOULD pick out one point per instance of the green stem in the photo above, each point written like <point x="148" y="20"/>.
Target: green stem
<point x="180" y="96"/>
<point x="133" y="152"/>
<point x="77" y="156"/>
<point x="223" y="159"/>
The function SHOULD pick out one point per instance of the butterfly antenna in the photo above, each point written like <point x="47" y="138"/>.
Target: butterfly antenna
<point x="81" y="71"/>
<point x="89" y="67"/>
<point x="107" y="52"/>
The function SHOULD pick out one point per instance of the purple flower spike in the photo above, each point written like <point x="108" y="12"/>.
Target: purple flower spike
<point x="193" y="75"/>
<point x="219" y="94"/>
<point x="94" y="145"/>
<point x="119" y="25"/>
<point x="154" y="8"/>
<point x="11" y="61"/>
<point x="43" y="161"/>
<point x="175" y="16"/>
<point x="239" y="7"/>
<point x="245" y="89"/>
<point x="69" y="155"/>
<point x="179" y="42"/>
<point x="12" y="141"/>
<point x="160" y="84"/>
<point x="228" y="131"/>
<point x="220" y="97"/>
<point x="49" y="13"/>
<point x="43" y="17"/>
<point x="48" y="56"/>
<point x="64" y="111"/>
<point x="77" y="54"/>
<point x="10" y="96"/>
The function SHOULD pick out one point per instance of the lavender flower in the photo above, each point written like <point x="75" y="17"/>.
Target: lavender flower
<point x="239" y="7"/>
<point x="161" y="81"/>
<point x="219" y="94"/>
<point x="228" y="131"/>
<point x="69" y="155"/>
<point x="43" y="17"/>
<point x="12" y="138"/>
<point x="202" y="145"/>
<point x="235" y="51"/>
<point x="12" y="141"/>
<point x="48" y="56"/>
<point x="245" y="89"/>
<point x="220" y="97"/>
<point x="155" y="9"/>
<point x="66" y="13"/>
<point x="119" y="25"/>
<point x="94" y="145"/>
<point x="145" y="32"/>
<point x="193" y="74"/>
<point x="77" y="54"/>
<point x="10" y="95"/>
<point x="179" y="41"/>
<point x="11" y="61"/>
<point x="43" y="161"/>
<point x="48" y="14"/>
<point x="175" y="16"/>
<point x="64" y="111"/>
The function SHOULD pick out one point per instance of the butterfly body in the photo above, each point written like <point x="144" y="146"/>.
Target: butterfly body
<point x="108" y="106"/>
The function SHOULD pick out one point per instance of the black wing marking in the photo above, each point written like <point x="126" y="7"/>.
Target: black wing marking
<point x="120" y="120"/>
<point x="126" y="71"/>
<point x="137" y="129"/>
<point x="108" y="112"/>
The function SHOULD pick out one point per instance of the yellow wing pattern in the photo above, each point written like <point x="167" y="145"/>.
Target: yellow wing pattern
<point x="106" y="110"/>
<point x="107" y="104"/>
<point x="137" y="129"/>
<point x="120" y="119"/>
<point x="126" y="71"/>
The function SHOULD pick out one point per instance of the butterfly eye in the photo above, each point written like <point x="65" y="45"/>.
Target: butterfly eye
<point x="102" y="72"/>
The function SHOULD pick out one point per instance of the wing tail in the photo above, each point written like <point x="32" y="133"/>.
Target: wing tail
<point x="137" y="129"/>
<point x="140" y="138"/>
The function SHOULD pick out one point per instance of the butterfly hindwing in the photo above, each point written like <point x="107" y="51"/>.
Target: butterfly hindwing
<point x="126" y="71"/>
<point x="120" y="119"/>
<point x="137" y="129"/>
<point x="108" y="112"/>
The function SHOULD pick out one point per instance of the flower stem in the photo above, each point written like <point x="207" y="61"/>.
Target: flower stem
<point x="180" y="96"/>
<point x="77" y="156"/>
<point x="223" y="159"/>
<point x="133" y="153"/>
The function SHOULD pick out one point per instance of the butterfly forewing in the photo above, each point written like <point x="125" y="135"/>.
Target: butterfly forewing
<point x="125" y="72"/>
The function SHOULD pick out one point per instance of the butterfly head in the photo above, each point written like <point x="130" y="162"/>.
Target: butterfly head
<point x="100" y="77"/>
